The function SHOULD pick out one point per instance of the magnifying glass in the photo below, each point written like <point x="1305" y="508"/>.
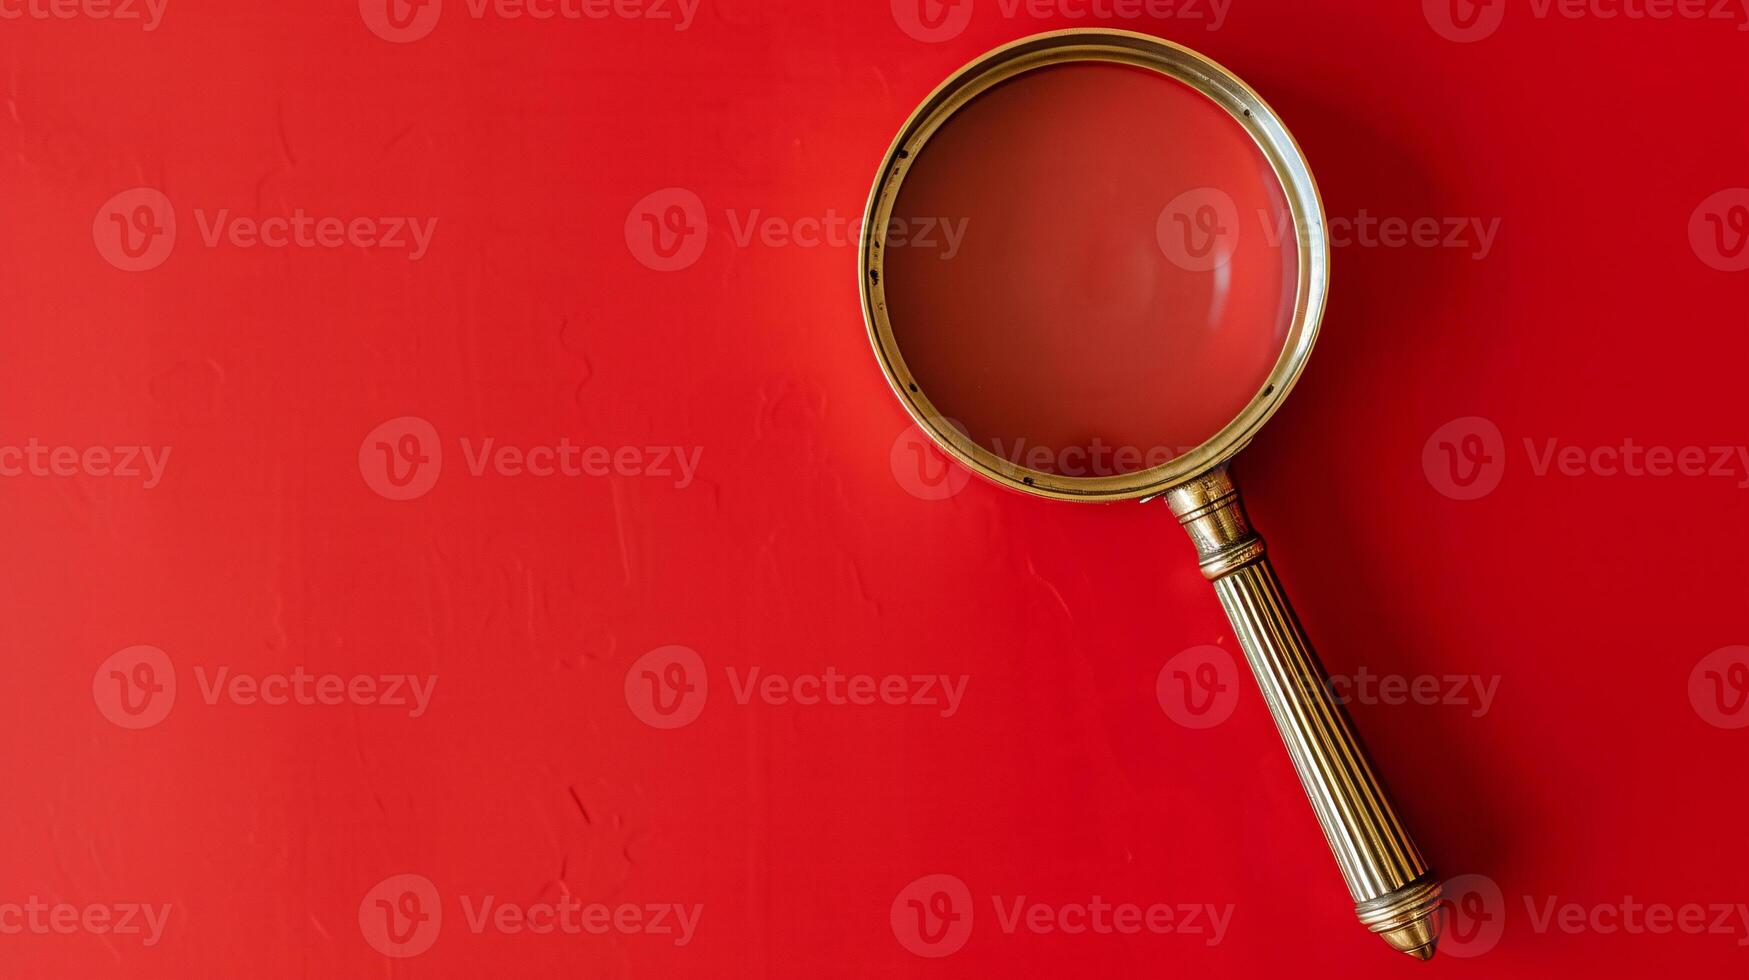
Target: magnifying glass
<point x="1126" y="274"/>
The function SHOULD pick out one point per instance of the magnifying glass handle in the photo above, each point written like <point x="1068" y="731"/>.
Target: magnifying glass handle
<point x="1395" y="894"/>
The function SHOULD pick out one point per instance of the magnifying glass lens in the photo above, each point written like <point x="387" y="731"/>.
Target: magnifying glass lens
<point x="1091" y="268"/>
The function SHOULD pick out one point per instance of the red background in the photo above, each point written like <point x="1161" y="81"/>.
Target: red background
<point x="1590" y="598"/>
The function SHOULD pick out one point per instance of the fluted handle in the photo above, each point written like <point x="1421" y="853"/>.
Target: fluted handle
<point x="1394" y="893"/>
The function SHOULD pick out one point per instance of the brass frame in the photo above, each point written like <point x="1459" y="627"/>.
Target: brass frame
<point x="1220" y="86"/>
<point x="1395" y="894"/>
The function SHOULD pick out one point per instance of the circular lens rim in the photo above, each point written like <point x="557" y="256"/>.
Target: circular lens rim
<point x="1215" y="83"/>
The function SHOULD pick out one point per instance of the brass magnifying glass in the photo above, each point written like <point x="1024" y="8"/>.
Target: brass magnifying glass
<point x="1137" y="282"/>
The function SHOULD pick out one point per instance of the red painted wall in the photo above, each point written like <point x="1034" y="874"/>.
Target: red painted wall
<point x="1544" y="633"/>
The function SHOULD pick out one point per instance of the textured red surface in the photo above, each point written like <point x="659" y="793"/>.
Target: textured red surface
<point x="297" y="388"/>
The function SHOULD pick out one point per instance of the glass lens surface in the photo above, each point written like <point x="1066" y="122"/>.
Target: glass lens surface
<point x="1090" y="269"/>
